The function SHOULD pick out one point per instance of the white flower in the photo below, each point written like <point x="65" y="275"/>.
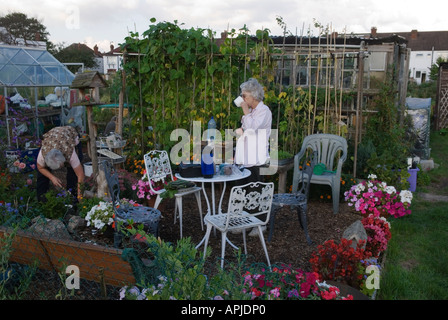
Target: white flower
<point x="360" y="187"/>
<point x="100" y="215"/>
<point x="390" y="189"/>
<point x="385" y="220"/>
<point x="406" y="196"/>
<point x="372" y="176"/>
<point x="123" y="292"/>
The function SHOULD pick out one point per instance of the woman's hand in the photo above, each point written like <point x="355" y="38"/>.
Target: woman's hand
<point x="245" y="107"/>
<point x="56" y="181"/>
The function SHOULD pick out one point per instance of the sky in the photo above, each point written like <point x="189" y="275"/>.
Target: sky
<point x="106" y="22"/>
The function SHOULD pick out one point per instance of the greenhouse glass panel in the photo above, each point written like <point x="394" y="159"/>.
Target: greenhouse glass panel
<point x="8" y="74"/>
<point x="34" y="67"/>
<point x="47" y="59"/>
<point x="23" y="58"/>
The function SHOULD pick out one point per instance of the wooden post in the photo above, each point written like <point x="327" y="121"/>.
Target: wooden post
<point x="359" y="104"/>
<point x="119" y="123"/>
<point x="92" y="144"/>
<point x="84" y="83"/>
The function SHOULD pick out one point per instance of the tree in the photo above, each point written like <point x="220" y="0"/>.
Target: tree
<point x="19" y="26"/>
<point x="76" y="52"/>
<point x="434" y="70"/>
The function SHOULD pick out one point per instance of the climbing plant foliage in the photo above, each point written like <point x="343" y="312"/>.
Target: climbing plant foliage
<point x="175" y="76"/>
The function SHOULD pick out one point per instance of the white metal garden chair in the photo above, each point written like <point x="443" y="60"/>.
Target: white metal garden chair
<point x="331" y="153"/>
<point x="249" y="207"/>
<point x="158" y="168"/>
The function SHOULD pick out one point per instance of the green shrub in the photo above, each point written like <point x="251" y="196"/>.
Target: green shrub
<point x="86" y="204"/>
<point x="56" y="205"/>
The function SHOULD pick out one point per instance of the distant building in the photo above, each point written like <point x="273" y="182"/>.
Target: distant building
<point x="112" y="61"/>
<point x="7" y="38"/>
<point x="426" y="47"/>
<point x="107" y="63"/>
<point x="81" y="47"/>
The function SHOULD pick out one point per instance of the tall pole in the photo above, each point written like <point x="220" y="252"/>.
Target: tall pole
<point x="359" y="104"/>
<point x="119" y="128"/>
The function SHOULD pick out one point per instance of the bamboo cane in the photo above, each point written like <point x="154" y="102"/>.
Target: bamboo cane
<point x="310" y="125"/>
<point x="342" y="81"/>
<point x="317" y="79"/>
<point x="326" y="83"/>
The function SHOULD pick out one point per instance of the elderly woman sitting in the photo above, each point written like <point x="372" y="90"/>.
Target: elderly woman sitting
<point x="252" y="148"/>
<point x="60" y="148"/>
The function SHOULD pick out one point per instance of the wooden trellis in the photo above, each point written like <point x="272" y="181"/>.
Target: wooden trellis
<point x="441" y="109"/>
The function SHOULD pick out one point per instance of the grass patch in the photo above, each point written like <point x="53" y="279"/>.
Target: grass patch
<point x="417" y="257"/>
<point x="416" y="266"/>
<point x="438" y="176"/>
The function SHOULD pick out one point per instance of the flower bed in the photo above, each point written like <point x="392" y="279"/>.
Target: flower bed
<point x="359" y="266"/>
<point x="374" y="196"/>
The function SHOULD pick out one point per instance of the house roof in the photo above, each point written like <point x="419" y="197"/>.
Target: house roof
<point x="339" y="40"/>
<point x="113" y="51"/>
<point x="418" y="40"/>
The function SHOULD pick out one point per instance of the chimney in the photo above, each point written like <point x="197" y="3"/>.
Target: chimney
<point x="373" y="32"/>
<point x="224" y="35"/>
<point x="95" y="49"/>
<point x="111" y="47"/>
<point x="414" y="34"/>
<point x="37" y="36"/>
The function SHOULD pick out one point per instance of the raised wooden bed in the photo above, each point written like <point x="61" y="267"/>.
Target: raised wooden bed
<point x="96" y="263"/>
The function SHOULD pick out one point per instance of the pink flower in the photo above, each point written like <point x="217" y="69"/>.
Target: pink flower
<point x="275" y="292"/>
<point x="379" y="199"/>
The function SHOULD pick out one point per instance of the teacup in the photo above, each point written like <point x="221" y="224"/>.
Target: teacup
<point x="238" y="101"/>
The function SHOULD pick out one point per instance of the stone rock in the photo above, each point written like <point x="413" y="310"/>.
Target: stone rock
<point x="49" y="228"/>
<point x="427" y="165"/>
<point x="355" y="232"/>
<point x="88" y="194"/>
<point x="76" y="223"/>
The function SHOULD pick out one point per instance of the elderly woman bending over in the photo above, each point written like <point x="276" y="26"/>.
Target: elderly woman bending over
<point x="60" y="148"/>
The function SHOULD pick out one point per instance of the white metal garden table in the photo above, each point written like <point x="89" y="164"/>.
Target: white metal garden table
<point x="217" y="178"/>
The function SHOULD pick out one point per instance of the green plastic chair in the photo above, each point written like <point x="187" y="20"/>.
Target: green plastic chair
<point x="331" y="153"/>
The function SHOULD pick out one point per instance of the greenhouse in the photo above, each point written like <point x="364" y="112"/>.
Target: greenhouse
<point x="37" y="85"/>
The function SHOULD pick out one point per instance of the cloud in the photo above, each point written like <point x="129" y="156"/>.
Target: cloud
<point x="106" y="21"/>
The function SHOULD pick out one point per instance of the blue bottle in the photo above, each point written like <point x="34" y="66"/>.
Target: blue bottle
<point x="207" y="164"/>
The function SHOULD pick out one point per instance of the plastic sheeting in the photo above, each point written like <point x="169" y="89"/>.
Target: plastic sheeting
<point x="419" y="109"/>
